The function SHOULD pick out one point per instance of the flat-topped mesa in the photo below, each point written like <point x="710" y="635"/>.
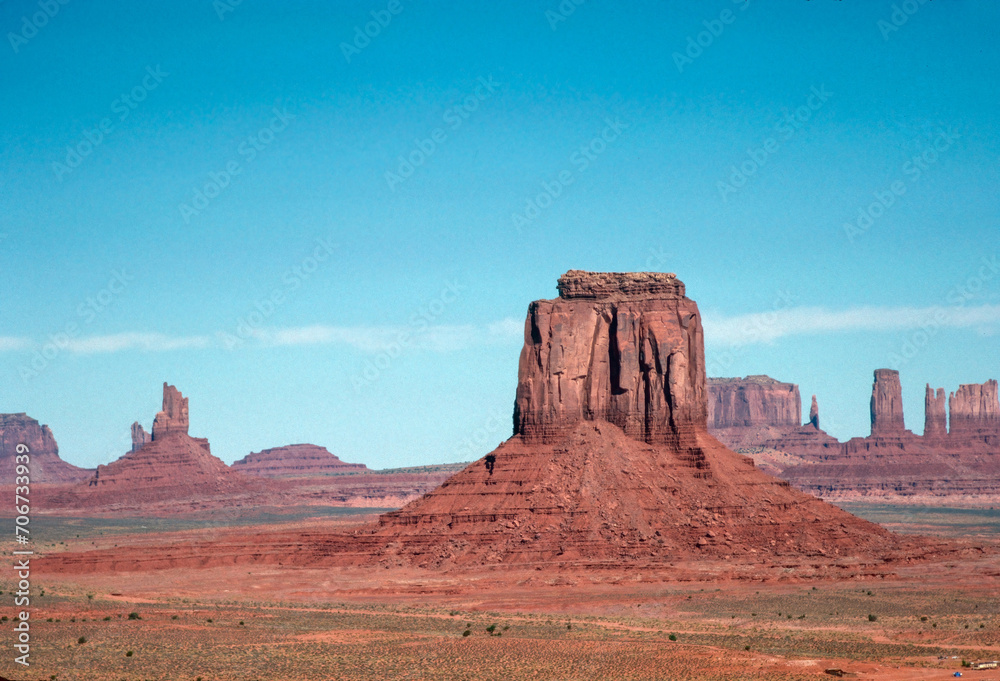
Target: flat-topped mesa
<point x="887" y="403"/>
<point x="290" y="461"/>
<point x="753" y="401"/>
<point x="935" y="418"/>
<point x="174" y="416"/>
<point x="624" y="348"/>
<point x="974" y="410"/>
<point x="593" y="285"/>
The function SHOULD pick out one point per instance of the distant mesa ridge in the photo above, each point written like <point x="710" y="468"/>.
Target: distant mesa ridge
<point x="303" y="460"/>
<point x="956" y="459"/>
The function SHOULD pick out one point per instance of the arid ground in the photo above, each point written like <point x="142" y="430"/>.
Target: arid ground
<point x="695" y="621"/>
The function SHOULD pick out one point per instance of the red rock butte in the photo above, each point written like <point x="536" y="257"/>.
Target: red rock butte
<point x="610" y="459"/>
<point x="44" y="462"/>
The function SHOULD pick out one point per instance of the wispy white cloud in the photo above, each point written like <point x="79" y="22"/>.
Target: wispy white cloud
<point x="367" y="339"/>
<point x="149" y="342"/>
<point x="13" y="343"/>
<point x="765" y="327"/>
<point x="373" y="339"/>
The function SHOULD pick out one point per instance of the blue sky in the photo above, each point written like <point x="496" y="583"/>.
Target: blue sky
<point x="227" y="198"/>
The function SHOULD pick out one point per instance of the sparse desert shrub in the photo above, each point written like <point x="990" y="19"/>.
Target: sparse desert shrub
<point x="81" y="640"/>
<point x="872" y="618"/>
<point x="467" y="632"/>
<point x="672" y="637"/>
<point x="128" y="653"/>
<point x="134" y="616"/>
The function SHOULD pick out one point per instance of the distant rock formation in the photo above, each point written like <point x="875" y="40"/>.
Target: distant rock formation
<point x="172" y="470"/>
<point x="751" y="402"/>
<point x="935" y="417"/>
<point x="610" y="458"/>
<point x="295" y="461"/>
<point x="974" y="411"/>
<point x="892" y="463"/>
<point x="814" y="413"/>
<point x="44" y="465"/>
<point x="139" y="437"/>
<point x="174" y="416"/>
<point x="887" y="403"/>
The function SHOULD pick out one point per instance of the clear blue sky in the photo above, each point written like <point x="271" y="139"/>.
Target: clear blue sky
<point x="115" y="115"/>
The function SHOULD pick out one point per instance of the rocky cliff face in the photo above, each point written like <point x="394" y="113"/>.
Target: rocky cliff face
<point x="298" y="461"/>
<point x="44" y="462"/>
<point x="752" y="402"/>
<point x="887" y="403"/>
<point x="173" y="418"/>
<point x="623" y="348"/>
<point x="610" y="459"/>
<point x="975" y="412"/>
<point x="935" y="419"/>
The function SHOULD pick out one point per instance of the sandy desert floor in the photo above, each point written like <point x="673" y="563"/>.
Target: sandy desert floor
<point x="693" y="621"/>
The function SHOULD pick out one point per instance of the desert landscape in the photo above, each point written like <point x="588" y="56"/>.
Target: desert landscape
<point x="612" y="535"/>
<point x="379" y="340"/>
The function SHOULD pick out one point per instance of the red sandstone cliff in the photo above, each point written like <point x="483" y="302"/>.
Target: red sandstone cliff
<point x="624" y="349"/>
<point x="935" y="418"/>
<point x="44" y="462"/>
<point x="752" y="402"/>
<point x="974" y="411"/>
<point x="887" y="403"/>
<point x="294" y="461"/>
